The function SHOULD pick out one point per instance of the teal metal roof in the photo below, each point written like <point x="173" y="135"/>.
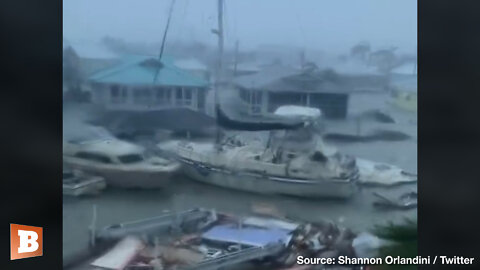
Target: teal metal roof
<point x="140" y="70"/>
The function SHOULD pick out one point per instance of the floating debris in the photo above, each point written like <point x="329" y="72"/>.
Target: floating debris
<point x="404" y="202"/>
<point x="380" y="174"/>
<point x="77" y="183"/>
<point x="183" y="241"/>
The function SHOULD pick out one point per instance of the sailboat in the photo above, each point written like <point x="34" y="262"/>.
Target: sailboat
<point x="276" y="168"/>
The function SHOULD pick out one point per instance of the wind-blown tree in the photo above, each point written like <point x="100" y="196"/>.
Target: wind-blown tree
<point x="360" y="51"/>
<point x="385" y="60"/>
<point x="73" y="76"/>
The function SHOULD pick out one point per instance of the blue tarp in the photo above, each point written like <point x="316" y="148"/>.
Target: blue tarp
<point x="247" y="235"/>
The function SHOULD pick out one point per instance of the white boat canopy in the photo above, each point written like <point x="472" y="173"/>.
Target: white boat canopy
<point x="110" y="147"/>
<point x="298" y="111"/>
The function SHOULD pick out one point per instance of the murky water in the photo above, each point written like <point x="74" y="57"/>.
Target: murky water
<point x="116" y="205"/>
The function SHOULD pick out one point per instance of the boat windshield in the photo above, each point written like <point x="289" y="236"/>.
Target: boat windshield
<point x="130" y="158"/>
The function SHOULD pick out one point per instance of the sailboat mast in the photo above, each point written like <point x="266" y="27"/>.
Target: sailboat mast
<point x="235" y="64"/>
<point x="164" y="38"/>
<point x="220" y="48"/>
<point x="220" y="61"/>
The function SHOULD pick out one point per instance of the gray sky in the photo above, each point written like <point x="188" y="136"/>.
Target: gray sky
<point x="330" y="25"/>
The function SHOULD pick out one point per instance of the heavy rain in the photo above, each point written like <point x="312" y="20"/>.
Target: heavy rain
<point x="303" y="112"/>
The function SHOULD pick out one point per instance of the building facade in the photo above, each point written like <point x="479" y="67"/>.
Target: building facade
<point x="262" y="93"/>
<point x="142" y="83"/>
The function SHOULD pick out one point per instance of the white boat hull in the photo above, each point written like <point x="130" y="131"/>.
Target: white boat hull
<point x="128" y="178"/>
<point x="258" y="183"/>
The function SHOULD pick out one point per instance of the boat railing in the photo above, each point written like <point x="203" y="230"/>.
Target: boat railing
<point x="150" y="225"/>
<point x="189" y="153"/>
<point x="234" y="163"/>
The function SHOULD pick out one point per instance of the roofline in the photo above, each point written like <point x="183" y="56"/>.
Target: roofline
<point x="149" y="85"/>
<point x="297" y="91"/>
<point x="141" y="58"/>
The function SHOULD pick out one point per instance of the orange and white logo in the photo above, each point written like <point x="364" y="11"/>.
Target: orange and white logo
<point x="25" y="241"/>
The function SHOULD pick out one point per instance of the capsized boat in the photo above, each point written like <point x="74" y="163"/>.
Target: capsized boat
<point x="121" y="163"/>
<point x="76" y="183"/>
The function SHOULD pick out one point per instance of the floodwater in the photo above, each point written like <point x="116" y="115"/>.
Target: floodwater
<point x="357" y="213"/>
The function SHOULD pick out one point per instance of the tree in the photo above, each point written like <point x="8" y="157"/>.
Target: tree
<point x="385" y="60"/>
<point x="73" y="76"/>
<point x="360" y="51"/>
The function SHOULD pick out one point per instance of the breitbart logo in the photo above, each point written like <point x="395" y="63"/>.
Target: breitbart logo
<point x="25" y="241"/>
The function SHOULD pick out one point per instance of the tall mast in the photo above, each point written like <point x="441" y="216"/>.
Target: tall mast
<point x="220" y="49"/>
<point x="235" y="63"/>
<point x="164" y="39"/>
<point x="220" y="61"/>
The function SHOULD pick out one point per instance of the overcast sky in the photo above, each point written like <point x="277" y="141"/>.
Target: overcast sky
<point x="330" y="25"/>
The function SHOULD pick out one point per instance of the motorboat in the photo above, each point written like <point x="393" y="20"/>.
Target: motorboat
<point x="121" y="163"/>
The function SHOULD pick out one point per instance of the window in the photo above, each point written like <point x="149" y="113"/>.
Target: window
<point x="131" y="158"/>
<point x="168" y="94"/>
<point x="183" y="96"/>
<point x="188" y="93"/>
<point x="256" y="97"/>
<point x="114" y="91"/>
<point x="117" y="94"/>
<point x="178" y="96"/>
<point x="187" y="96"/>
<point x="93" y="157"/>
<point x="124" y="93"/>
<point x="244" y="95"/>
<point x="178" y="93"/>
<point x="145" y="93"/>
<point x="159" y="94"/>
<point x="303" y="99"/>
<point x="256" y="102"/>
<point x="142" y="95"/>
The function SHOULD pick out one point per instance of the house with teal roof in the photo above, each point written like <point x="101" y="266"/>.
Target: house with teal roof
<point x="143" y="83"/>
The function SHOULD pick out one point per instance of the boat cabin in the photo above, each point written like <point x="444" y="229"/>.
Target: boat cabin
<point x="105" y="151"/>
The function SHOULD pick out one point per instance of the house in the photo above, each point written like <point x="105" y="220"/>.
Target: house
<point x="81" y="59"/>
<point x="360" y="76"/>
<point x="92" y="56"/>
<point x="143" y="83"/>
<point x="263" y="92"/>
<point x="367" y="84"/>
<point x="241" y="69"/>
<point x="194" y="66"/>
